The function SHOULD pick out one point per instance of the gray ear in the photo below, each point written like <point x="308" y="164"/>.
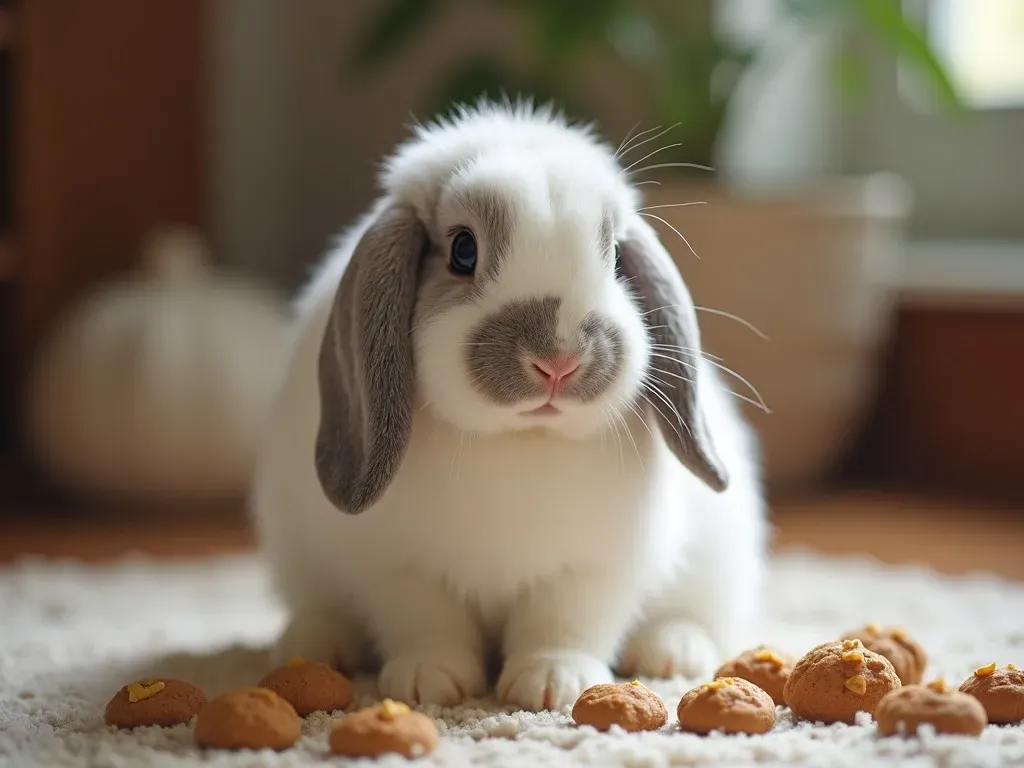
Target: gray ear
<point x="366" y="364"/>
<point x="672" y="319"/>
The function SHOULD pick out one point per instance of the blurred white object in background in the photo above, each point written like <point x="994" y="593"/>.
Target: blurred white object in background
<point x="153" y="388"/>
<point x="817" y="271"/>
<point x="779" y="129"/>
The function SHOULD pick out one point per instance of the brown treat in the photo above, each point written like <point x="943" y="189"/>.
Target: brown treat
<point x="631" y="706"/>
<point x="948" y="711"/>
<point x="309" y="686"/>
<point x="728" y="704"/>
<point x="383" y="728"/>
<point x="765" y="667"/>
<point x="836" y="680"/>
<point x="907" y="656"/>
<point x="154" y="701"/>
<point x="1000" y="691"/>
<point x="248" y="718"/>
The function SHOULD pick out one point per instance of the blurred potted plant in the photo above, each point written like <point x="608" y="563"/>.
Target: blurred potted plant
<point x="801" y="252"/>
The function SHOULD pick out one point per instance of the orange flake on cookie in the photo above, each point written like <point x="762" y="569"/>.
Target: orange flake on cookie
<point x="390" y="710"/>
<point x="144" y="689"/>
<point x="770" y="656"/>
<point x="857" y="684"/>
<point x="987" y="670"/>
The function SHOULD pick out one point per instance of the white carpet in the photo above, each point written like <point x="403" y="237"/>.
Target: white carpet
<point x="70" y="635"/>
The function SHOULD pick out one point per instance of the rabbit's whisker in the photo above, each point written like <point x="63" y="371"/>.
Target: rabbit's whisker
<point x="681" y="235"/>
<point x="713" y="311"/>
<point x="655" y="137"/>
<point x="673" y="375"/>
<point x="726" y="369"/>
<point x="628" y="145"/>
<point x="661" y="396"/>
<point x="737" y="318"/>
<point x="625" y="428"/>
<point x="688" y="350"/>
<point x="677" y="360"/>
<point x="628" y="168"/>
<point x="671" y="205"/>
<point x="609" y="417"/>
<point x="628" y="138"/>
<point x="638" y="412"/>
<point x="697" y="166"/>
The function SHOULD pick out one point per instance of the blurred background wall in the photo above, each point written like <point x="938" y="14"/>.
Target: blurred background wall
<point x="174" y="168"/>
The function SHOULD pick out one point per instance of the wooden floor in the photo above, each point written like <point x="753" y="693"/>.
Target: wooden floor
<point x="952" y="536"/>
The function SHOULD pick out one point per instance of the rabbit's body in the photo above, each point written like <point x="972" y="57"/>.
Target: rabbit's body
<point x="563" y="549"/>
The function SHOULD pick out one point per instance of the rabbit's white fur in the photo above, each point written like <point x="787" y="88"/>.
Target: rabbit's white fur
<point x="562" y="548"/>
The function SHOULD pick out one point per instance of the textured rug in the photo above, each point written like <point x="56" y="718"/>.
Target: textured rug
<point x="71" y="635"/>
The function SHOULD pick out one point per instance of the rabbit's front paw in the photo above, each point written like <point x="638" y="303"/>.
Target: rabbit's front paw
<point x="670" y="647"/>
<point x="444" y="678"/>
<point x="549" y="680"/>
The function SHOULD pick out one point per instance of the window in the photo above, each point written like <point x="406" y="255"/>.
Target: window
<point x="981" y="43"/>
<point x="965" y="171"/>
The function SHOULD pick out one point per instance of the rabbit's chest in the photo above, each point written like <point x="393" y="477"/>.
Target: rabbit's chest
<point x="493" y="516"/>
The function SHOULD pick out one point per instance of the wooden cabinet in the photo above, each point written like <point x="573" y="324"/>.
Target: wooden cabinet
<point x="104" y="107"/>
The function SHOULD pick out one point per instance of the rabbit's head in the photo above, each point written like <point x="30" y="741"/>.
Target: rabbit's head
<point x="507" y="283"/>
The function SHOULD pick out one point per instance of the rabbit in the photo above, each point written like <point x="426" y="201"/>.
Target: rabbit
<point x="497" y="440"/>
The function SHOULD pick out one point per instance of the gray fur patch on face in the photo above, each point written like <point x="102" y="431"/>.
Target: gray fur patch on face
<point x="498" y="352"/>
<point x="495" y="222"/>
<point x="439" y="288"/>
<point x="604" y="350"/>
<point x="606" y="241"/>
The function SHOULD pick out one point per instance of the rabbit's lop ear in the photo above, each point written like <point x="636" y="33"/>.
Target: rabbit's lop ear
<point x="672" y="321"/>
<point x="366" y="364"/>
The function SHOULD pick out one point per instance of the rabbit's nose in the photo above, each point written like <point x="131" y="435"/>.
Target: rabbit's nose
<point x="556" y="369"/>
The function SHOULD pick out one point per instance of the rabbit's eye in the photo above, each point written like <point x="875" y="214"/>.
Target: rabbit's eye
<point x="618" y="256"/>
<point x="463" y="255"/>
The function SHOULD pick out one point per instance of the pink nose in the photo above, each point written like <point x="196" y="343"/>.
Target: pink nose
<point x="556" y="369"/>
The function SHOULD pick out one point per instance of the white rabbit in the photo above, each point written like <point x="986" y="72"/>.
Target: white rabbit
<point x="497" y="439"/>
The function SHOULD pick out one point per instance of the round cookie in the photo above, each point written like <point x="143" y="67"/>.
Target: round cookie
<point x="836" y="680"/>
<point x="900" y="712"/>
<point x="1000" y="691"/>
<point x="388" y="727"/>
<point x="309" y="686"/>
<point x="631" y="706"/>
<point x="765" y="667"/>
<point x="154" y="701"/>
<point x="907" y="656"/>
<point x="248" y="718"/>
<point x="728" y="704"/>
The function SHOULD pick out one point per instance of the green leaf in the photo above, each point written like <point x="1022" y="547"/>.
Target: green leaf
<point x="887" y="17"/>
<point x="850" y="75"/>
<point x="563" y="27"/>
<point x="397" y="22"/>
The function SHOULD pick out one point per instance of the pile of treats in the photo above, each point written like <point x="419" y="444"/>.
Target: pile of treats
<point x="874" y="669"/>
<point x="268" y="715"/>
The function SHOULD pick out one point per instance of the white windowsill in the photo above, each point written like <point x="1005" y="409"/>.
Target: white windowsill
<point x="964" y="274"/>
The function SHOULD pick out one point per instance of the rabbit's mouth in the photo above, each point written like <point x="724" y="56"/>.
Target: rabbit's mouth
<point x="548" y="409"/>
